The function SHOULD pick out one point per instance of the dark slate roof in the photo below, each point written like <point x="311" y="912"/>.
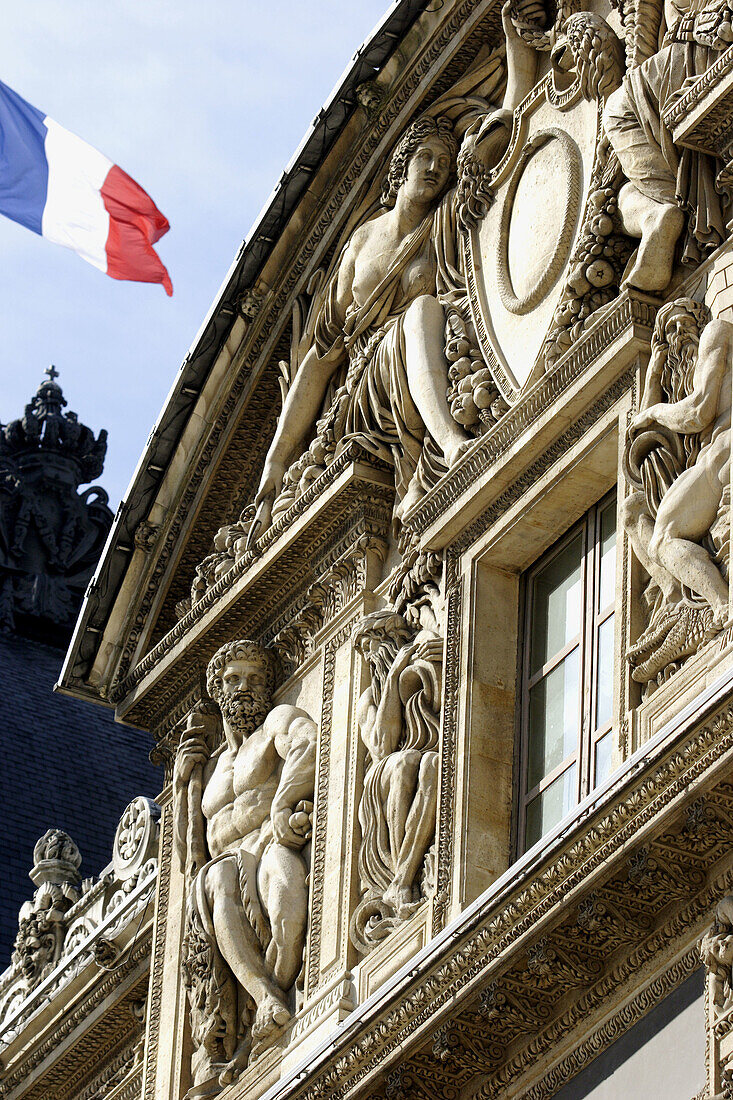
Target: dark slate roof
<point x="65" y="764"/>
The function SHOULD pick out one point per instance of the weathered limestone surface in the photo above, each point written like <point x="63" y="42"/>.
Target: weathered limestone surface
<point x="504" y="294"/>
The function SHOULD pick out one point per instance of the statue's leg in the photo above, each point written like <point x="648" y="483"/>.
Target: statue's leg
<point x="658" y="225"/>
<point x="238" y="943"/>
<point x="639" y="526"/>
<point x="402" y="800"/>
<point x="427" y="374"/>
<point x="284" y="894"/>
<point x="420" y="828"/>
<point x="399" y="781"/>
<point x="647" y="204"/>
<point x="687" y="512"/>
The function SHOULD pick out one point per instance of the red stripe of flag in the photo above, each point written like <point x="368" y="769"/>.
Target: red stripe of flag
<point x="135" y="224"/>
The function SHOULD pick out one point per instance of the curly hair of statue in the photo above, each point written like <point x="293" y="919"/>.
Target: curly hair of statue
<point x="242" y="649"/>
<point x="420" y="131"/>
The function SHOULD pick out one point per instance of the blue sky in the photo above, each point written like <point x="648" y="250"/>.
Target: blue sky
<point x="202" y="104"/>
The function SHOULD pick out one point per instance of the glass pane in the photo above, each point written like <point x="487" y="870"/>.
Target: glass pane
<point x="603" y="759"/>
<point x="607" y="586"/>
<point x="604" y="687"/>
<point x="544" y="811"/>
<point x="556" y="604"/>
<point x="553" y="719"/>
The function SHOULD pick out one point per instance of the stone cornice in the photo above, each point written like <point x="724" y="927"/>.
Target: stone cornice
<point x="82" y="1024"/>
<point x="352" y="498"/>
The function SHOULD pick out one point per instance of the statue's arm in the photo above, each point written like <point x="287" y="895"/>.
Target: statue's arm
<point x="304" y="399"/>
<point x="521" y="62"/>
<point x="389" y="718"/>
<point x="652" y="394"/>
<point x="698" y="410"/>
<point x="189" y="773"/>
<point x="366" y="717"/>
<point x="295" y="736"/>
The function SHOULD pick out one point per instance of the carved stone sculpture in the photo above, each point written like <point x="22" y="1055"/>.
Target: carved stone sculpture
<point x="677" y="461"/>
<point x="41" y="921"/>
<point x="716" y="951"/>
<point x="667" y="186"/>
<point x="398" y="718"/>
<point x="243" y="821"/>
<point x="380" y="336"/>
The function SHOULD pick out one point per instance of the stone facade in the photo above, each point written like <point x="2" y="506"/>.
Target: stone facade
<point x="423" y="591"/>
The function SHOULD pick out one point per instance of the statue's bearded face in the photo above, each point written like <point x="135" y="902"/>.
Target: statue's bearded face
<point x="428" y="170"/>
<point x="682" y="334"/>
<point x="244" y="695"/>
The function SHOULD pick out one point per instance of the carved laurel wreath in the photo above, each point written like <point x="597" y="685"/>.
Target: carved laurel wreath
<point x="572" y="165"/>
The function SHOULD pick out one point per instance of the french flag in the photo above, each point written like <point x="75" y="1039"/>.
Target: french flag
<point x="55" y="184"/>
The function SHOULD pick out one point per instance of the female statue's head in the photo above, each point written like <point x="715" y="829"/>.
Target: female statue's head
<point x="424" y="161"/>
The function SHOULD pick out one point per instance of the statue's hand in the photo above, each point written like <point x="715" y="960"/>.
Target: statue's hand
<point x="402" y="660"/>
<point x="510" y="31"/>
<point x="284" y="831"/>
<point x="193" y="751"/>
<point x="643" y="421"/>
<point x="301" y="820"/>
<point x="531" y="12"/>
<point x="431" y="650"/>
<point x="271" y="484"/>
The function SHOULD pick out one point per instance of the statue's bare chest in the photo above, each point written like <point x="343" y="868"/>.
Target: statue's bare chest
<point x="255" y="765"/>
<point x="376" y="259"/>
<point x="250" y="770"/>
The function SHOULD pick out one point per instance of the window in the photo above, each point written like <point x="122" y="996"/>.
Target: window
<point x="567" y="672"/>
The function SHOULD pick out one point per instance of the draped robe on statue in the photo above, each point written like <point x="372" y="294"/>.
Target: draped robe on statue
<point x="634" y="121"/>
<point x="373" y="404"/>
<point x="419" y="689"/>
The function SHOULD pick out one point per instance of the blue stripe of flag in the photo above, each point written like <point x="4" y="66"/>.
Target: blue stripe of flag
<point x="23" y="164"/>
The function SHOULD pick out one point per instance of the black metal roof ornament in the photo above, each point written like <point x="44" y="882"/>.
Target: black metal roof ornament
<point x="45" y="427"/>
<point x="51" y="535"/>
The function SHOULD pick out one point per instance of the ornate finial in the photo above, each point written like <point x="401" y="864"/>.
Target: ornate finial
<point x="52" y="534"/>
<point x="45" y="427"/>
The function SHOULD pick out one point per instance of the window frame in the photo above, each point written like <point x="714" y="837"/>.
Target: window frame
<point x="587" y="642"/>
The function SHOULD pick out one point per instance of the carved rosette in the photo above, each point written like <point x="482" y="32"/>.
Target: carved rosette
<point x="136" y="838"/>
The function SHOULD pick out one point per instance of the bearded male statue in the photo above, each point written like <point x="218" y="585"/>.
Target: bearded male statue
<point x="677" y="461"/>
<point x="243" y="821"/>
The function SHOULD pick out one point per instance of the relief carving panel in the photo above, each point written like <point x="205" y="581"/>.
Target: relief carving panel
<point x="677" y="463"/>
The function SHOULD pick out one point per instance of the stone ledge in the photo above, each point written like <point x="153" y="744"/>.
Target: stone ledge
<point x="352" y="496"/>
<point x="702" y="115"/>
<point x="612" y="341"/>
